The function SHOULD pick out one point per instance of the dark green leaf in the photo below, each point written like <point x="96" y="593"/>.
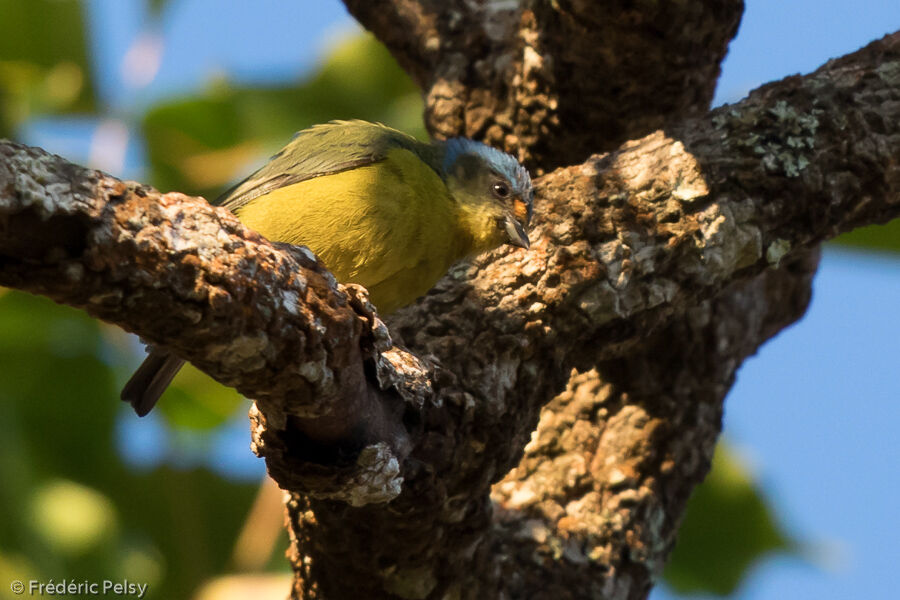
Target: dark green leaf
<point x="44" y="65"/>
<point x="728" y="527"/>
<point x="874" y="237"/>
<point x="195" y="401"/>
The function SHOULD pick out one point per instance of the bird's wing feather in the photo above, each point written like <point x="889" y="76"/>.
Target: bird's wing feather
<point x="323" y="150"/>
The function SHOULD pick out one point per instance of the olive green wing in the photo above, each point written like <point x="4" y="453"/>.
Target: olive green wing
<point x="321" y="150"/>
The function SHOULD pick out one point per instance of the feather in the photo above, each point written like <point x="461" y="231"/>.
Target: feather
<point x="323" y="150"/>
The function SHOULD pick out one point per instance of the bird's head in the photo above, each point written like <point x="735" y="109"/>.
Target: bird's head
<point x="493" y="192"/>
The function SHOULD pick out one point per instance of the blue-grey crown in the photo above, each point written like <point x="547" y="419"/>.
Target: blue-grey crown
<point x="505" y="164"/>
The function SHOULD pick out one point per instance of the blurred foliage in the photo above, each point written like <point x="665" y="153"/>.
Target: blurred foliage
<point x="71" y="506"/>
<point x="874" y="237"/>
<point x="727" y="528"/>
<point x="241" y="587"/>
<point x="44" y="66"/>
<point x="158" y="6"/>
<point x="196" y="402"/>
<point x="198" y="145"/>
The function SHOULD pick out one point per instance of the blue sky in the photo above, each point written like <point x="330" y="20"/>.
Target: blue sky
<point x="814" y="414"/>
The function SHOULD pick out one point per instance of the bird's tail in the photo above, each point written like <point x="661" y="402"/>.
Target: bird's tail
<point x="150" y="381"/>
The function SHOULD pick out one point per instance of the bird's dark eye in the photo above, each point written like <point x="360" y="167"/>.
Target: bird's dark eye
<point x="500" y="189"/>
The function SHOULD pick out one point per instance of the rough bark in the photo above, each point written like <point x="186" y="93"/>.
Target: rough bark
<point x="655" y="268"/>
<point x="556" y="81"/>
<point x="593" y="508"/>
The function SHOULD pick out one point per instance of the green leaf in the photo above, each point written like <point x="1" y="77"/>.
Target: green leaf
<point x="874" y="237"/>
<point x="196" y="401"/>
<point x="44" y="66"/>
<point x="194" y="144"/>
<point x="158" y="6"/>
<point x="727" y="529"/>
<point x="51" y="379"/>
<point x="72" y="519"/>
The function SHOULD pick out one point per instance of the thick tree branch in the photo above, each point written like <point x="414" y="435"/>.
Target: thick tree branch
<point x="626" y="246"/>
<point x="593" y="508"/>
<point x="556" y="81"/>
<point x="409" y="27"/>
<point x="619" y="70"/>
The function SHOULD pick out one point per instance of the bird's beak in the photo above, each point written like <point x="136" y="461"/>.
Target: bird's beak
<point x="516" y="232"/>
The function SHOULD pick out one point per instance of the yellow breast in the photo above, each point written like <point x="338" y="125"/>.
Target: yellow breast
<point x="390" y="226"/>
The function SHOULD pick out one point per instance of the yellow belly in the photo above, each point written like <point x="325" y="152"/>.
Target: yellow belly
<point x="389" y="226"/>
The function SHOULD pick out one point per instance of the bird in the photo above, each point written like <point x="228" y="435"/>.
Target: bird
<point x="379" y="208"/>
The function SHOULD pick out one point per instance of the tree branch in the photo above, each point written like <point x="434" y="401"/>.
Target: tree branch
<point x="626" y="239"/>
<point x="593" y="508"/>
<point x="556" y="81"/>
<point x="626" y="247"/>
<point x="409" y="27"/>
